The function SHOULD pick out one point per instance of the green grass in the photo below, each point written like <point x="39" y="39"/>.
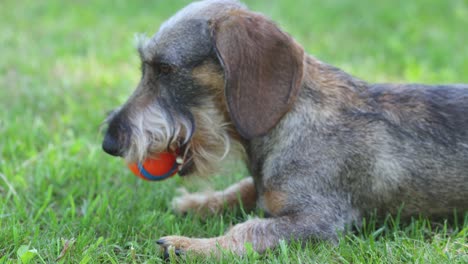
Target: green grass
<point x="63" y="65"/>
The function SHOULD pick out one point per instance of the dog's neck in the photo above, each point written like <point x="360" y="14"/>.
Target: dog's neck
<point x="331" y="88"/>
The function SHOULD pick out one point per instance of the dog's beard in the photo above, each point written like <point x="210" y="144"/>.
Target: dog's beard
<point x="201" y="139"/>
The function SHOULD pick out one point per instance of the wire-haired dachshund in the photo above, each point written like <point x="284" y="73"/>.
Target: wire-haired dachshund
<point x="324" y="149"/>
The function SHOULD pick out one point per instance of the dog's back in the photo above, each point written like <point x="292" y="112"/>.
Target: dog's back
<point x="436" y="112"/>
<point x="419" y="149"/>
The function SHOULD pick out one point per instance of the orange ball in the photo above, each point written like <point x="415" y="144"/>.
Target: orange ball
<point x="158" y="167"/>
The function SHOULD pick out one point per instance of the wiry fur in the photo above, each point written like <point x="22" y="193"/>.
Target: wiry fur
<point x="324" y="148"/>
<point x="155" y="129"/>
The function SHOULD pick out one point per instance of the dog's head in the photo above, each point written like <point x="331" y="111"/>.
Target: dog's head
<point x="212" y="73"/>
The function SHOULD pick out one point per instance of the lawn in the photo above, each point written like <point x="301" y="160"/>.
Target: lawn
<point x="64" y="64"/>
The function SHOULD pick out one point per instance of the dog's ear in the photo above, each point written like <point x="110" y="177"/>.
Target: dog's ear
<point x="263" y="68"/>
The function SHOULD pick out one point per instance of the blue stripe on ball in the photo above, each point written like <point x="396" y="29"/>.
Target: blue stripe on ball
<point x="151" y="177"/>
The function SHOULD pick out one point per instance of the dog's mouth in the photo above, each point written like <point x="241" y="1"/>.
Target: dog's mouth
<point x="183" y="157"/>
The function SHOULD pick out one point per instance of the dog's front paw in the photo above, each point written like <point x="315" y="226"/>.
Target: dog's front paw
<point x="180" y="245"/>
<point x="203" y="204"/>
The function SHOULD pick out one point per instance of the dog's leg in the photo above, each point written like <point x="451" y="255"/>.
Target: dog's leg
<point x="240" y="194"/>
<point x="324" y="224"/>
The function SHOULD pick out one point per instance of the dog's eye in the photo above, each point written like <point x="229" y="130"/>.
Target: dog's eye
<point x="165" y="68"/>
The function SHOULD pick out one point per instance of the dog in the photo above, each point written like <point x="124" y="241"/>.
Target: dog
<point x="324" y="149"/>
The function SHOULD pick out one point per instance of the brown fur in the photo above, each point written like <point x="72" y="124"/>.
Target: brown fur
<point x="210" y="75"/>
<point x="275" y="201"/>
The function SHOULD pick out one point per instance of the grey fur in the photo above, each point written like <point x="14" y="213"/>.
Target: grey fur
<point x="189" y="29"/>
<point x="345" y="149"/>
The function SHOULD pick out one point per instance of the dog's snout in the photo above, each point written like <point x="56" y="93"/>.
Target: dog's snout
<point x="116" y="136"/>
<point x="111" y="146"/>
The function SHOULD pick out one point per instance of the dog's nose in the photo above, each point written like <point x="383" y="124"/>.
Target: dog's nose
<point x="111" y="146"/>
